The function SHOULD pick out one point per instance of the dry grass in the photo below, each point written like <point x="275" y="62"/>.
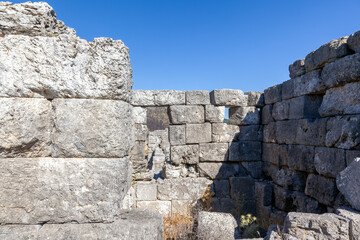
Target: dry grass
<point x="178" y="227"/>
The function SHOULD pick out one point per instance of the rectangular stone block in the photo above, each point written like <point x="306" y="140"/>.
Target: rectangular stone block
<point x="244" y="115"/>
<point x="281" y="110"/>
<point x="245" y="151"/>
<point x="198" y="133"/>
<point x="214" y="170"/>
<point x="329" y="162"/>
<point x="182" y="189"/>
<point x="214" y="114"/>
<point x="270" y="153"/>
<point x="297" y="68"/>
<point x="303" y="203"/>
<point x="289" y="179"/>
<point x="272" y="94"/>
<point x="255" y="99"/>
<point x="146" y="191"/>
<point x="335" y="102"/>
<point x="188" y="154"/>
<point x="301" y="158"/>
<point x="283" y="199"/>
<point x="25" y="127"/>
<point x="213" y="152"/>
<point x="157" y="118"/>
<point x="228" y="98"/>
<point x="270" y="170"/>
<point x="251" y="133"/>
<point x="177" y="134"/>
<point x="286" y="131"/>
<point x="223" y="132"/>
<point x="141" y="132"/>
<point x="142" y="98"/>
<point x="139" y="115"/>
<point x="269" y="133"/>
<point x="254" y="168"/>
<point x="138" y="160"/>
<point x="180" y="114"/>
<point x="309" y="83"/>
<point x="242" y="188"/>
<point x="343" y="132"/>
<point x="311" y="132"/>
<point x="92" y="128"/>
<point x="326" y="53"/>
<point x="305" y="107"/>
<point x="222" y="188"/>
<point x="169" y="97"/>
<point x="266" y="114"/>
<point x="163" y="207"/>
<point x="58" y="190"/>
<point x="322" y="189"/>
<point x="197" y="97"/>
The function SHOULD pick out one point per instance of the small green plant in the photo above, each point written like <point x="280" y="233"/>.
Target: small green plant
<point x="248" y="226"/>
<point x="207" y="199"/>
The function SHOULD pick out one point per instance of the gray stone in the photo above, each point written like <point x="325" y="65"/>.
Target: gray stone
<point x="309" y="83"/>
<point x="213" y="225"/>
<point x="223" y="132"/>
<point x="141" y="132"/>
<point x="220" y="170"/>
<point x="59" y="190"/>
<point x="255" y="99"/>
<point x="169" y="97"/>
<point x="182" y="188"/>
<point x="177" y="134"/>
<point x="214" y="114"/>
<point x="245" y="151"/>
<point x="139" y="115"/>
<point x="157" y="118"/>
<point x="327" y="53"/>
<point x="228" y="98"/>
<point x="181" y="207"/>
<point x="25" y="127"/>
<point x="354" y="41"/>
<point x="297" y="68"/>
<point x="244" y="115"/>
<point x="329" y="161"/>
<point x="253" y="168"/>
<point x="321" y="188"/>
<point x="145" y="191"/>
<point x="70" y="69"/>
<point x="197" y="97"/>
<point x="283" y="199"/>
<point x="270" y="153"/>
<point x="180" y="114"/>
<point x="269" y="133"/>
<point x="263" y="193"/>
<point x="132" y="225"/>
<point x="311" y="132"/>
<point x="351" y="155"/>
<point x="222" y="188"/>
<point x="301" y="158"/>
<point x="142" y="98"/>
<point x="290" y="179"/>
<point x="305" y="107"/>
<point x="266" y="114"/>
<point x="281" y="110"/>
<point x="251" y="133"/>
<point x="344" y="70"/>
<point x="92" y="128"/>
<point x="270" y="170"/>
<point x="348" y="182"/>
<point x="213" y="152"/>
<point x="285" y="131"/>
<point x="242" y="188"/>
<point x="163" y="207"/>
<point x="198" y="133"/>
<point x="303" y="203"/>
<point x="354" y="224"/>
<point x="272" y="94"/>
<point x="188" y="154"/>
<point x="343" y="132"/>
<point x="341" y="100"/>
<point x="172" y="171"/>
<point x="138" y="160"/>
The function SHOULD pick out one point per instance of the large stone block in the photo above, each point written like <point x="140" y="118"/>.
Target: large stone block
<point x="270" y="153"/>
<point x="285" y="131"/>
<point x="272" y="94"/>
<point x="132" y="225"/>
<point x="141" y="132"/>
<point x="283" y="199"/>
<point x="213" y="152"/>
<point x="182" y="188"/>
<point x="92" y="128"/>
<point x="228" y="98"/>
<point x="344" y="70"/>
<point x="242" y="188"/>
<point x="305" y="107"/>
<point x="281" y="110"/>
<point x="289" y="179"/>
<point x="327" y="53"/>
<point x="253" y="168"/>
<point x="142" y="98"/>
<point x="297" y="68"/>
<point x="244" y="116"/>
<point x="245" y="151"/>
<point x="269" y="133"/>
<point x="220" y="170"/>
<point x="65" y="66"/>
<point x="341" y="100"/>
<point x="188" y="154"/>
<point x="322" y="189"/>
<point x="177" y="134"/>
<point x="354" y="221"/>
<point x="214" y="114"/>
<point x="139" y="115"/>
<point x="348" y="182"/>
<point x="180" y="114"/>
<point x="169" y="97"/>
<point x="270" y="170"/>
<point x="198" y="133"/>
<point x="255" y="99"/>
<point x="251" y="133"/>
<point x="146" y="191"/>
<point x="263" y="192"/>
<point x="343" y="132"/>
<point x="301" y="158"/>
<point x="303" y="203"/>
<point x="222" y="188"/>
<point x="25" y="127"/>
<point x="163" y="207"/>
<point x="311" y="132"/>
<point x="223" y="132"/>
<point x="266" y="114"/>
<point x="354" y="41"/>
<point x="197" y="97"/>
<point x="329" y="161"/>
<point x="157" y="118"/>
<point x="58" y="190"/>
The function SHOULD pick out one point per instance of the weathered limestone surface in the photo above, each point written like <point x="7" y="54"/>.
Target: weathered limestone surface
<point x="92" y="128"/>
<point x="58" y="190"/>
<point x="329" y="162"/>
<point x="198" y="133"/>
<point x="255" y="99"/>
<point x="146" y="191"/>
<point x="134" y="225"/>
<point x="229" y="98"/>
<point x="185" y="154"/>
<point x="343" y="132"/>
<point x="297" y="68"/>
<point x="197" y="97"/>
<point x="177" y="134"/>
<point x="180" y="114"/>
<point x="354" y="218"/>
<point x="354" y="41"/>
<point x="223" y="132"/>
<point x="25" y="127"/>
<point x="244" y="116"/>
<point x="216" y="152"/>
<point x="214" y="113"/>
<point x="321" y="188"/>
<point x="157" y="97"/>
<point x="163" y="207"/>
<point x="182" y="189"/>
<point x="348" y="182"/>
<point x="272" y="94"/>
<point x="139" y="115"/>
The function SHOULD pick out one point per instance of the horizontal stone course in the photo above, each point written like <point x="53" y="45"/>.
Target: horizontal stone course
<point x="229" y="98"/>
<point x="157" y="97"/>
<point x="180" y="114"/>
<point x="198" y="133"/>
<point x="244" y="116"/>
<point x="273" y="94"/>
<point x="297" y="68"/>
<point x="197" y="97"/>
<point x="216" y="152"/>
<point x="329" y="162"/>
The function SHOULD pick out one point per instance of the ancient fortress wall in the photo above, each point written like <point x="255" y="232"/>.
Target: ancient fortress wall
<point x="80" y="150"/>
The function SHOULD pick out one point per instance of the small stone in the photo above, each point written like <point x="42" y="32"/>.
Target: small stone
<point x="255" y="99"/>
<point x="198" y="133"/>
<point x="180" y="114"/>
<point x="177" y="134"/>
<point x="297" y="68"/>
<point x="214" y="114"/>
<point x="228" y="98"/>
<point x="244" y="116"/>
<point x="197" y="97"/>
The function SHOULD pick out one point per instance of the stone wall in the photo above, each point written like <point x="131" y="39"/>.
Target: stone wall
<point x="183" y="146"/>
<point x="311" y="131"/>
<point x="66" y="132"/>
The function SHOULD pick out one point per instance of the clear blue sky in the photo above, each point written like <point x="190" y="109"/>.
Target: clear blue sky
<point x="208" y="44"/>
